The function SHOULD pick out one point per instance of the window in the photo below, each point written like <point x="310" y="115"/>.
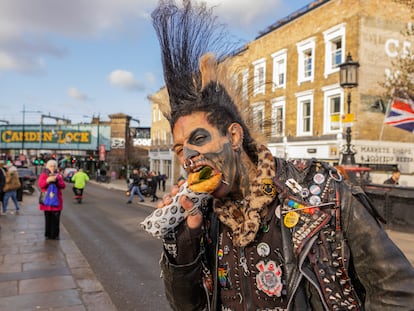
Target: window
<point x="279" y="69"/>
<point x="258" y="116"/>
<point x="333" y="109"/>
<point x="245" y="84"/>
<point x="259" y="76"/>
<point x="304" y="114"/>
<point x="334" y="48"/>
<point x="278" y="117"/>
<point x="306" y="60"/>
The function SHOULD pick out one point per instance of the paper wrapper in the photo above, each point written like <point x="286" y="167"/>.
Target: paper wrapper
<point x="166" y="219"/>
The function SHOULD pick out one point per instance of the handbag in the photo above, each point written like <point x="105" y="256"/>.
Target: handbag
<point x="42" y="197"/>
<point x="51" y="198"/>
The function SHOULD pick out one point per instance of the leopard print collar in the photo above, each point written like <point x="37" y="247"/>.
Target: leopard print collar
<point x="244" y="217"/>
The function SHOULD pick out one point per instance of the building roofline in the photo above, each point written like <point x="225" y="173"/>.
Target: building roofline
<point x="291" y="17"/>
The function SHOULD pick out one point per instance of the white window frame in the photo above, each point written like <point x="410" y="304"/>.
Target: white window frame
<point x="302" y="98"/>
<point x="303" y="48"/>
<point x="328" y="93"/>
<point x="259" y="108"/>
<point x="331" y="36"/>
<point x="259" y="76"/>
<point x="278" y="103"/>
<point x="245" y="84"/>
<point x="279" y="68"/>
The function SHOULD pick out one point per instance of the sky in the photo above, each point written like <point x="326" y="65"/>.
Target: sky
<point x="82" y="58"/>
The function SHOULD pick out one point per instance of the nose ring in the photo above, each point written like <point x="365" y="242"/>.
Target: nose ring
<point x="188" y="163"/>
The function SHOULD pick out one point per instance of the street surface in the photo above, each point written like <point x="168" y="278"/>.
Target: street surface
<point x="123" y="257"/>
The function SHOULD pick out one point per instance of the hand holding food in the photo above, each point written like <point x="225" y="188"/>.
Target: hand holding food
<point x="198" y="188"/>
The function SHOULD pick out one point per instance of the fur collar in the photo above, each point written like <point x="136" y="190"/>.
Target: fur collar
<point x="244" y="217"/>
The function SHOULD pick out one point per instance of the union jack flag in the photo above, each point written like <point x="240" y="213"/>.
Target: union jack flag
<point x="401" y="114"/>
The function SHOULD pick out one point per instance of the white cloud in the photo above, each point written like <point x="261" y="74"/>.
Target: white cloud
<point x="126" y="80"/>
<point x="76" y="94"/>
<point x="244" y="13"/>
<point x="30" y="30"/>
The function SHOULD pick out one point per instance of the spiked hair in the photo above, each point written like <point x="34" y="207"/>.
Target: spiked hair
<point x="191" y="40"/>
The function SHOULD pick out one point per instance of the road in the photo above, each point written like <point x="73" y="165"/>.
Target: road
<point x="123" y="257"/>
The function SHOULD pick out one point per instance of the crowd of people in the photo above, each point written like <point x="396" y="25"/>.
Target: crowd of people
<point x="143" y="182"/>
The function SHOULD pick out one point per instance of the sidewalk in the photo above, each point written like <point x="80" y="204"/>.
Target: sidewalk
<point x="36" y="274"/>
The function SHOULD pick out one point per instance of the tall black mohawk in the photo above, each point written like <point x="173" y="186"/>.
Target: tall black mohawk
<point x="186" y="35"/>
<point x="191" y="42"/>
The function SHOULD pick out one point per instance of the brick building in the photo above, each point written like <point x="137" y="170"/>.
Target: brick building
<point x="289" y="75"/>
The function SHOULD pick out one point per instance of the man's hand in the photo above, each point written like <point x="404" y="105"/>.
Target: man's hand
<point x="194" y="221"/>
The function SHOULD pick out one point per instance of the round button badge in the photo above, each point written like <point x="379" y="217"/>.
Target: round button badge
<point x="318" y="178"/>
<point x="291" y="219"/>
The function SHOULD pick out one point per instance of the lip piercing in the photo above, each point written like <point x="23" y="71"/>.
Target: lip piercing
<point x="190" y="164"/>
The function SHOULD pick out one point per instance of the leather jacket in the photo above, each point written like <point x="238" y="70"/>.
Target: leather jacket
<point x="336" y="256"/>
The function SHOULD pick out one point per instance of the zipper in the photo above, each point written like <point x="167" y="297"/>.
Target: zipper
<point x="244" y="280"/>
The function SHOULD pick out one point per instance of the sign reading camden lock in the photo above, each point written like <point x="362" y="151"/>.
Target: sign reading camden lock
<point x="71" y="137"/>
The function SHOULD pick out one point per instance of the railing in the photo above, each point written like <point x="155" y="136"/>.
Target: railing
<point x="395" y="204"/>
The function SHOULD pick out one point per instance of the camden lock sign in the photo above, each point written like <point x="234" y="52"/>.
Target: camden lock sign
<point x="386" y="152"/>
<point x="57" y="137"/>
<point x="78" y="137"/>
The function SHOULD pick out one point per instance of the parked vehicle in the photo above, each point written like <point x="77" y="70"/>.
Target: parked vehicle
<point x="68" y="173"/>
<point x="27" y="179"/>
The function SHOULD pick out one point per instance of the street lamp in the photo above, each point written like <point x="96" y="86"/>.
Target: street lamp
<point x="348" y="79"/>
<point x="24" y="111"/>
<point x="96" y="120"/>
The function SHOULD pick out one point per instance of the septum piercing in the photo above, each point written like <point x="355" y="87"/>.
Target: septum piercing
<point x="191" y="164"/>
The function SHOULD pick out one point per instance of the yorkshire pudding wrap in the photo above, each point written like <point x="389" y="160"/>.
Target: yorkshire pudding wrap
<point x="204" y="180"/>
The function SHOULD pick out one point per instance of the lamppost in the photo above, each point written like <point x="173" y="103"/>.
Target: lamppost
<point x="96" y="120"/>
<point x="24" y="111"/>
<point x="348" y="77"/>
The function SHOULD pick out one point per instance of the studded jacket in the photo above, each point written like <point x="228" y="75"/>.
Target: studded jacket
<point x="332" y="257"/>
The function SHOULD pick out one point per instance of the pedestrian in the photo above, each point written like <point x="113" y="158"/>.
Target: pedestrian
<point x="49" y="176"/>
<point x="276" y="235"/>
<point x="394" y="179"/>
<point x="2" y="182"/>
<point x="159" y="180"/>
<point x="163" y="181"/>
<point x="12" y="183"/>
<point x="80" y="178"/>
<point x="153" y="180"/>
<point x="134" y="187"/>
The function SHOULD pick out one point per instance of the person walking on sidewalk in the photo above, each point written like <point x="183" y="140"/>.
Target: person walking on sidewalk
<point x="49" y="176"/>
<point x="79" y="178"/>
<point x="153" y="180"/>
<point x="12" y="183"/>
<point x="2" y="182"/>
<point x="134" y="187"/>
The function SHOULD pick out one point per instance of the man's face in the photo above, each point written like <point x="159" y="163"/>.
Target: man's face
<point x="198" y="140"/>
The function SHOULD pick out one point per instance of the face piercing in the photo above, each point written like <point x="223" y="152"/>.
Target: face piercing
<point x="188" y="163"/>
